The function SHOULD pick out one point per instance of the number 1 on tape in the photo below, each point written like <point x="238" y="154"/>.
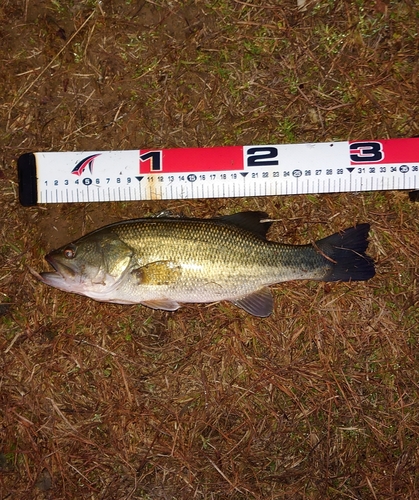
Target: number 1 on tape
<point x="218" y="172"/>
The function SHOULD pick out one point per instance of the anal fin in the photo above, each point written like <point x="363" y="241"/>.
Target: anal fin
<point x="259" y="303"/>
<point x="165" y="304"/>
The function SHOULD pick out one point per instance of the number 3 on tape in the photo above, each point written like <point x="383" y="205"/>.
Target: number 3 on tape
<point x="366" y="152"/>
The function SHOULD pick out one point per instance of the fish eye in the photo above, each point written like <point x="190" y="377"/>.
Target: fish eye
<point x="70" y="252"/>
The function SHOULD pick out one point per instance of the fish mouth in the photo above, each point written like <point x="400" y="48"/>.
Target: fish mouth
<point x="49" y="278"/>
<point x="61" y="277"/>
<point x="60" y="269"/>
<point x="58" y="277"/>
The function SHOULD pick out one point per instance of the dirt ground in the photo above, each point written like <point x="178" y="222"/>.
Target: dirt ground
<point x="102" y="401"/>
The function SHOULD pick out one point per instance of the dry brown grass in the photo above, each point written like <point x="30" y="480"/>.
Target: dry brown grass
<point x="319" y="401"/>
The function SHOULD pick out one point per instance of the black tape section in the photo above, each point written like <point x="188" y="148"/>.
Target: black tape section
<point x="26" y="170"/>
<point x="414" y="195"/>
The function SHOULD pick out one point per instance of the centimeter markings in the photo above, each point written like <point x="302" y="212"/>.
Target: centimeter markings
<point x="218" y="172"/>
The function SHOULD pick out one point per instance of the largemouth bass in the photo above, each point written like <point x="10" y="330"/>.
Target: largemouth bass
<point x="162" y="262"/>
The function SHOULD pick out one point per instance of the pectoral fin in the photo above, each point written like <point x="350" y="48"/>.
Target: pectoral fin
<point x="259" y="303"/>
<point x="165" y="304"/>
<point x="162" y="272"/>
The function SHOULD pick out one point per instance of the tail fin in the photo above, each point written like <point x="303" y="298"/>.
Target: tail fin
<point x="346" y="253"/>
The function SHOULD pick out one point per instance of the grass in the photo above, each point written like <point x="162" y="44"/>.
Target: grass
<point x="318" y="401"/>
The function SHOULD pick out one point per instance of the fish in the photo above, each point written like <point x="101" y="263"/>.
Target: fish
<point x="163" y="262"/>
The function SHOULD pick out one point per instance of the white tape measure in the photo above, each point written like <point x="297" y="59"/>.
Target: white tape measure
<point x="218" y="172"/>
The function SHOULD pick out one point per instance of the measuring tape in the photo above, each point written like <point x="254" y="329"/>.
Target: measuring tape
<point x="218" y="172"/>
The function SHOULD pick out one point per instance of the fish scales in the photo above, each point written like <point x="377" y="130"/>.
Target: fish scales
<point x="164" y="262"/>
<point x="214" y="253"/>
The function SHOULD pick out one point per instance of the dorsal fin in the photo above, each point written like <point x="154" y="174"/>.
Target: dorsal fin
<point x="250" y="221"/>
